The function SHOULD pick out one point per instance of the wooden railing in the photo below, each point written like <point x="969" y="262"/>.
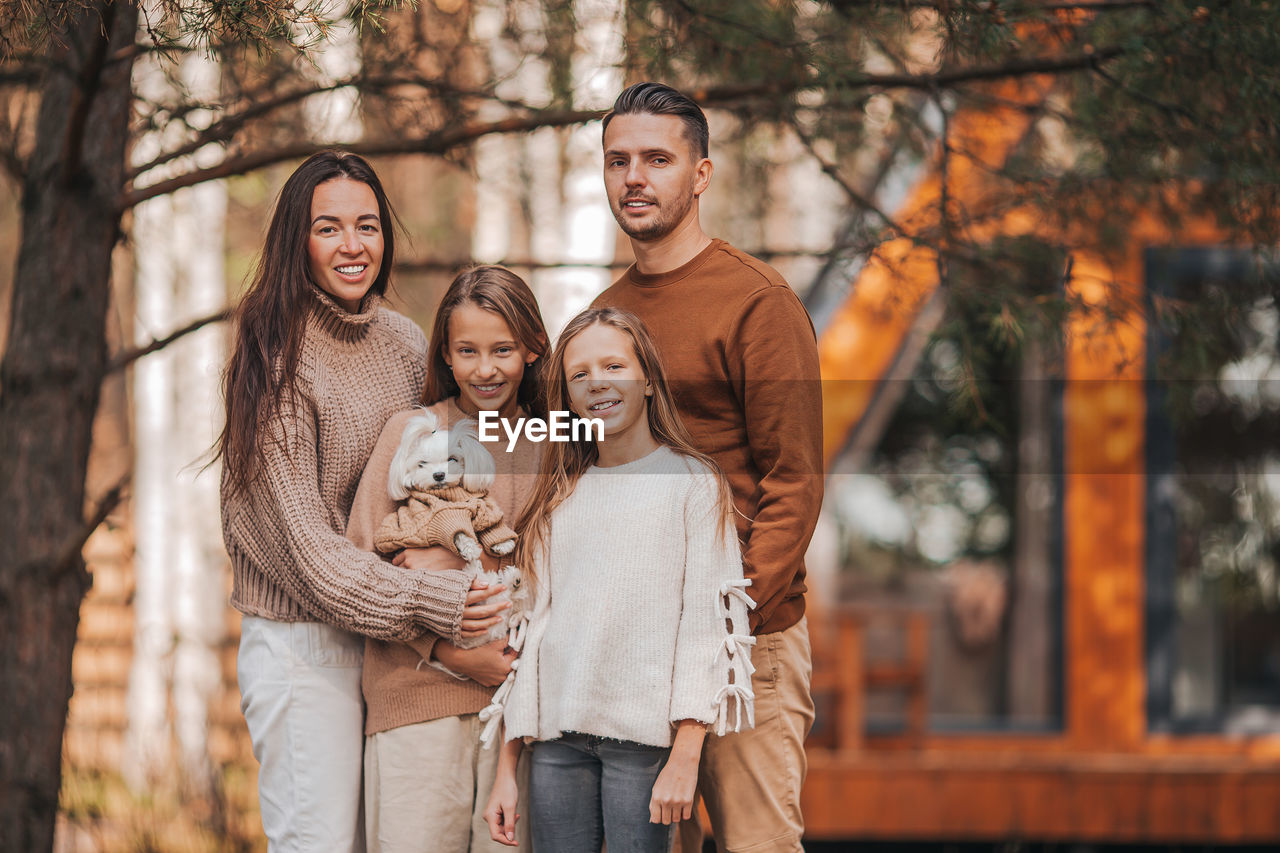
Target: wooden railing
<point x="843" y="676"/>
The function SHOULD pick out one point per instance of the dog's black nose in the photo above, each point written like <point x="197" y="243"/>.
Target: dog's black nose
<point x="439" y="476"/>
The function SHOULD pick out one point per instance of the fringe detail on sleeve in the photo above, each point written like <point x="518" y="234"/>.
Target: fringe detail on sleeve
<point x="491" y="714"/>
<point x="735" y="699"/>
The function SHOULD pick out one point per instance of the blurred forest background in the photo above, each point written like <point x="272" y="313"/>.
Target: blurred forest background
<point x="955" y="188"/>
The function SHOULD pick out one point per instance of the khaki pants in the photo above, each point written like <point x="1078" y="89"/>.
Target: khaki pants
<point x="751" y="780"/>
<point x="426" y="787"/>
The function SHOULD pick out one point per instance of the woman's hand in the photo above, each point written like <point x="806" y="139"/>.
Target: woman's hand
<point x="500" y="813"/>
<point x="487" y="664"/>
<point x="673" y="792"/>
<point x="478" y="615"/>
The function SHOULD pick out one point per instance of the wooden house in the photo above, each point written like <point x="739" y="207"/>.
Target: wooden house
<point x="1135" y="698"/>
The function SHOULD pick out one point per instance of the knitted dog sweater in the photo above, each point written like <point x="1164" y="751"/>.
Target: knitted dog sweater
<point x="436" y="516"/>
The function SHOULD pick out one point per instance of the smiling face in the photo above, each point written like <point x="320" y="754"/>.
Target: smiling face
<point x="486" y="360"/>
<point x="344" y="246"/>
<point x="606" y="381"/>
<point x="652" y="175"/>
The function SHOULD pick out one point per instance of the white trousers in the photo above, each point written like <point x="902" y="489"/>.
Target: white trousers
<point x="300" y="694"/>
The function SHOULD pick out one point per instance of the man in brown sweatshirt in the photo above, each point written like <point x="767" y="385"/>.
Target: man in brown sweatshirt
<point x="743" y="360"/>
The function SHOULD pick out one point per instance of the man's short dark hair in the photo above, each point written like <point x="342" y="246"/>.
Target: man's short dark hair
<point x="661" y="100"/>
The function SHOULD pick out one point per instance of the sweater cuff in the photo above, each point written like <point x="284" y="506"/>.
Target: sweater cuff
<point x="437" y="599"/>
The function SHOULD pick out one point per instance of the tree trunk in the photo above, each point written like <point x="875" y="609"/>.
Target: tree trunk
<point x="49" y="385"/>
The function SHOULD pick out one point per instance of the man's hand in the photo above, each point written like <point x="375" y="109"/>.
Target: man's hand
<point x="487" y="664"/>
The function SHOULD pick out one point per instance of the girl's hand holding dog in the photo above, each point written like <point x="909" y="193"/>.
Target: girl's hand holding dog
<point x="487" y="664"/>
<point x="437" y="558"/>
<point x="673" y="791"/>
<point x="478" y="616"/>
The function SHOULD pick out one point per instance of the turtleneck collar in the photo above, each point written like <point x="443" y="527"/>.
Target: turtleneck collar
<point x="451" y="494"/>
<point x="338" y="321"/>
<point x="455" y="412"/>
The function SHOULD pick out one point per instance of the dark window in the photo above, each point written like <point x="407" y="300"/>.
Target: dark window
<point x="957" y="512"/>
<point x="1213" y="492"/>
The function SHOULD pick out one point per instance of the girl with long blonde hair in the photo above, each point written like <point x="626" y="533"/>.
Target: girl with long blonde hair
<point x="638" y="639"/>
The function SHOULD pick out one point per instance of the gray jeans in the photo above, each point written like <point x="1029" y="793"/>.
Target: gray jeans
<point x="584" y="789"/>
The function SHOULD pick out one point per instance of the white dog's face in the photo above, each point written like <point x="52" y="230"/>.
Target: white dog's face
<point x="430" y="457"/>
<point x="435" y="464"/>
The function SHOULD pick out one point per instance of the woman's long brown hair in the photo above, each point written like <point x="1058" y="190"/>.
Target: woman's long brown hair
<point x="271" y="317"/>
<point x="564" y="462"/>
<point x="506" y="294"/>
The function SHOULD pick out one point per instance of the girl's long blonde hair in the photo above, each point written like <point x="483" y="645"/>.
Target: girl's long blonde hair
<point x="564" y="462"/>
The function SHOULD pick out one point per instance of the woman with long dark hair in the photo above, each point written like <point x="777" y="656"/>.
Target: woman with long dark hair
<point x="318" y="365"/>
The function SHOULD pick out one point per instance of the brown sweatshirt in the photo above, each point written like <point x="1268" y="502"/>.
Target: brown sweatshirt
<point x="399" y="689"/>
<point x="284" y="533"/>
<point x="742" y="358"/>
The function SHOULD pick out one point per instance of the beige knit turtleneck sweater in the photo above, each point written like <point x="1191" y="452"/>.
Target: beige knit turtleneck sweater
<point x="290" y="560"/>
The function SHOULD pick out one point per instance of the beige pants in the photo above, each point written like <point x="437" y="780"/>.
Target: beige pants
<point x="426" y="787"/>
<point x="751" y="780"/>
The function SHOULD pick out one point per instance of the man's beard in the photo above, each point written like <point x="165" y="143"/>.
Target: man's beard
<point x="660" y="226"/>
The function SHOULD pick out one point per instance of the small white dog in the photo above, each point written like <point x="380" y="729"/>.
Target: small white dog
<point x="441" y="479"/>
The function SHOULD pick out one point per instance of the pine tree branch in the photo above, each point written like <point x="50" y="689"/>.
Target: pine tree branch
<point x="942" y="7"/>
<point x="66" y="559"/>
<point x="229" y="124"/>
<point x="442" y="141"/>
<point x="435" y="143"/>
<point x="833" y="172"/>
<point x="123" y="359"/>
<point x="20" y="75"/>
<point x="1017" y="68"/>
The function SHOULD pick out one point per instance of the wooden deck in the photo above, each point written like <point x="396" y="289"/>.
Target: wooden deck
<point x="945" y="794"/>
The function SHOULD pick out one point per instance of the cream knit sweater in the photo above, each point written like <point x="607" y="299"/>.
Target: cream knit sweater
<point x="289" y="558"/>
<point x="640" y="615"/>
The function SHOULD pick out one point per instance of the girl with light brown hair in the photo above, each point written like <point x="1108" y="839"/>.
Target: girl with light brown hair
<point x="426" y="779"/>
